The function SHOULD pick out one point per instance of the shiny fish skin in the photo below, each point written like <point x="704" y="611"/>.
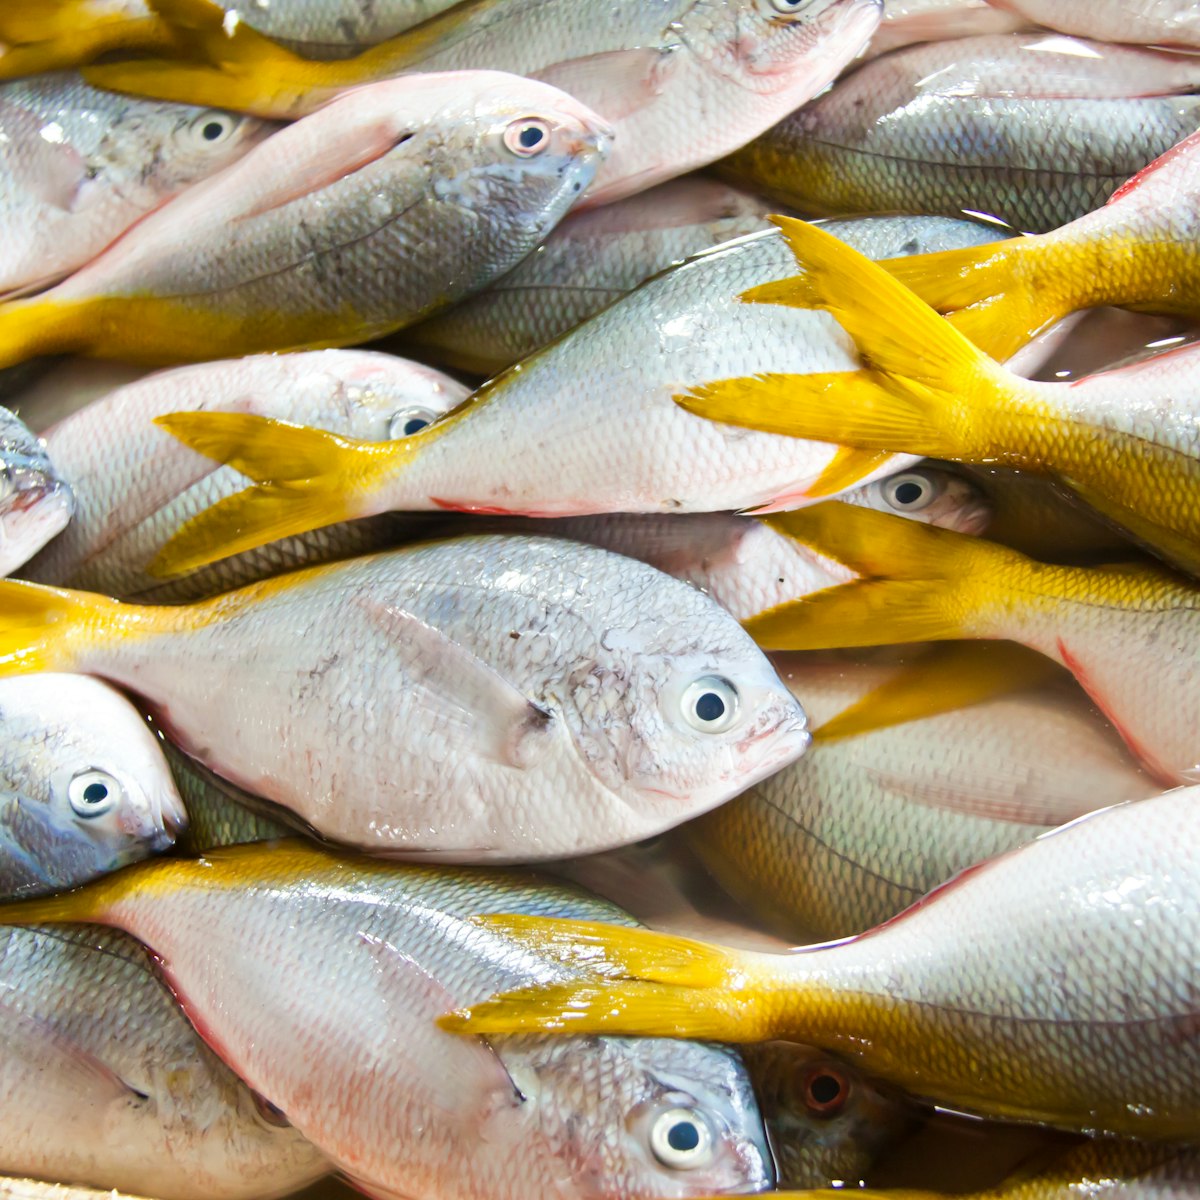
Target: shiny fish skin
<point x="1150" y="22"/>
<point x="65" y="388"/>
<point x="362" y="956"/>
<point x="1006" y="125"/>
<point x="449" y="697"/>
<point x="593" y="258"/>
<point x="135" y="485"/>
<point x="906" y="22"/>
<point x="381" y="209"/>
<point x="35" y="501"/>
<point x="79" y="166"/>
<point x="63" y="737"/>
<point x="103" y="1082"/>
<point x="866" y="825"/>
<point x="974" y="998"/>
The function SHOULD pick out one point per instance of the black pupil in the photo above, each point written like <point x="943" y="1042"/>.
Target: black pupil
<point x="95" y="793"/>
<point x="825" y="1089"/>
<point x="413" y="424"/>
<point x="710" y="707"/>
<point x="683" y="1136"/>
<point x="212" y="131"/>
<point x="531" y="136"/>
<point x="909" y="493"/>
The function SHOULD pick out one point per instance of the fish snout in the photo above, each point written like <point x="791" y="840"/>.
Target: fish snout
<point x="35" y="506"/>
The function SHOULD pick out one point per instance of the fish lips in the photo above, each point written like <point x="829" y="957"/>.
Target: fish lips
<point x="36" y="508"/>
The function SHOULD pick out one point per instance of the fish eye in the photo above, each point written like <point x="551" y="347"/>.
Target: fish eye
<point x="710" y="704"/>
<point x="93" y="793"/>
<point x="271" y="1114"/>
<point x="911" y="491"/>
<point x="409" y="421"/>
<point x="527" y="137"/>
<point x="680" y="1138"/>
<point x="788" y="7"/>
<point x="214" y="126"/>
<point x="825" y="1090"/>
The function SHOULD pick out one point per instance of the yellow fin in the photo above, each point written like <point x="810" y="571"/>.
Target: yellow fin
<point x="943" y="680"/>
<point x="88" y="903"/>
<point x="308" y="478"/>
<point x="920" y="583"/>
<point x="30" y="328"/>
<point x="847" y="470"/>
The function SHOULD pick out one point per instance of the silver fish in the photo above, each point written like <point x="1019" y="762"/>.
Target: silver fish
<point x="35" y="502"/>
<point x="83" y="785"/>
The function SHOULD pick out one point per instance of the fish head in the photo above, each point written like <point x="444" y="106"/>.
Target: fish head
<point x="930" y="495"/>
<point x="675" y="709"/>
<point x="641" y="1117"/>
<point x="778" y="46"/>
<point x="35" y="501"/>
<point x="827" y="1121"/>
<point x="519" y="146"/>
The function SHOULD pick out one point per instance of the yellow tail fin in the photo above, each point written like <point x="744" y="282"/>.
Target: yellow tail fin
<point x="47" y="629"/>
<point x="30" y="328"/>
<point x="51" y="35"/>
<point x="307" y="478"/>
<point x="919" y="583"/>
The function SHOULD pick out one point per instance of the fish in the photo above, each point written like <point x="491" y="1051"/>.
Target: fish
<point x="592" y="258"/>
<point x="748" y="565"/>
<point x="972" y="999"/>
<point x="1125" y="441"/>
<point x="877" y="815"/>
<point x="1100" y="1168"/>
<point x="79" y="166"/>
<point x="68" y="386"/>
<point x="1139" y="250"/>
<point x="83" y="786"/>
<point x="335" y="1026"/>
<point x="134" y="484"/>
<point x="36" y="502"/>
<point x="906" y="22"/>
<point x="1094" y="621"/>
<point x="484" y="698"/>
<point x="385" y="206"/>
<point x="566" y="413"/>
<point x="683" y="82"/>
<point x="1160" y="23"/>
<point x="104" y="1083"/>
<point x="1033" y="129"/>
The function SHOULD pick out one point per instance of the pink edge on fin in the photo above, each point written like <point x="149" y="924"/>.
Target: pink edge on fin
<point x="1189" y="143"/>
<point x="1160" y="774"/>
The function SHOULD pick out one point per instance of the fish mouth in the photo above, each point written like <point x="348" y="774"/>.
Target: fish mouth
<point x="38" y="510"/>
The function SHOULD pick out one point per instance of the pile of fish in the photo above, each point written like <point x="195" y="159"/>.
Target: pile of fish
<point x="529" y="668"/>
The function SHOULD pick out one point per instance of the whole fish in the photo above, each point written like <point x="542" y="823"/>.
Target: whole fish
<point x="35" y="502"/>
<point x="1056" y="983"/>
<point x="1104" y="1169"/>
<point x="83" y="785"/>
<point x="682" y="81"/>
<point x="485" y="698"/>
<point x="103" y="1082"/>
<point x="906" y="22"/>
<point x="79" y="166"/>
<point x="134" y="484"/>
<point x="1030" y="128"/>
<point x="384" y="207"/>
<point x="565" y="416"/>
<point x="925" y="584"/>
<point x="1138" y="250"/>
<point x="1149" y="22"/>
<point x="1126" y="441"/>
<point x="334" y="1024"/>
<point x="593" y="258"/>
<point x="748" y="565"/>
<point x="870" y="821"/>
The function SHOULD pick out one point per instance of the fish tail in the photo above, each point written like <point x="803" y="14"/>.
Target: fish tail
<point x="49" y="35"/>
<point x="990" y="291"/>
<point x="306" y="479"/>
<point x="642" y="983"/>
<point x="23" y="21"/>
<point x="30" y="328"/>
<point x="52" y="629"/>
<point x="925" y="389"/>
<point x="919" y="583"/>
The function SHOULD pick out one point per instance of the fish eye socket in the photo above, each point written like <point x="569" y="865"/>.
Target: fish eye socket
<point x="826" y="1091"/>
<point x="710" y="704"/>
<point x="527" y="137"/>
<point x="680" y="1138"/>
<point x="910" y="492"/>
<point x="214" y="127"/>
<point x="788" y="7"/>
<point x="93" y="793"/>
<point x="409" y="421"/>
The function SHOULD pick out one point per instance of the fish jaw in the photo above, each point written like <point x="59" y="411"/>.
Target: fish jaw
<point x="36" y="503"/>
